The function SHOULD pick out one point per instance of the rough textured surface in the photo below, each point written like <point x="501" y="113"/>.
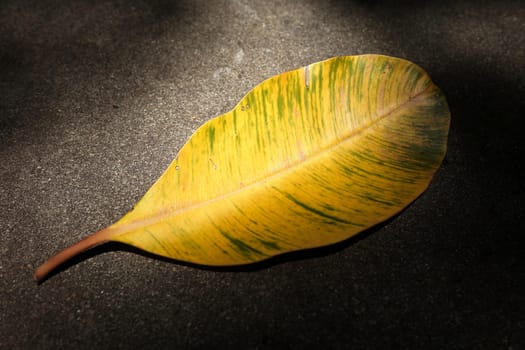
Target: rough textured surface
<point x="98" y="96"/>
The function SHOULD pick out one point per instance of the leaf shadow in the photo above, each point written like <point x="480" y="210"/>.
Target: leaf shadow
<point x="287" y="257"/>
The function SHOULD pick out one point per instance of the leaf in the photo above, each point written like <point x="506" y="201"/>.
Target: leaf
<point x="307" y="158"/>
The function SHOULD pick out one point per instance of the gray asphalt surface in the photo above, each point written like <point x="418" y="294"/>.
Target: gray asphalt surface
<point x="96" y="98"/>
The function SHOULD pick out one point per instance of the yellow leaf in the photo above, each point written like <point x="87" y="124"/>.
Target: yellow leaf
<point x="307" y="158"/>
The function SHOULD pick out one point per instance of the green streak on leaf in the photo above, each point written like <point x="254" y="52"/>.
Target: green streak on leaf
<point x="211" y="135"/>
<point x="243" y="248"/>
<point x="313" y="210"/>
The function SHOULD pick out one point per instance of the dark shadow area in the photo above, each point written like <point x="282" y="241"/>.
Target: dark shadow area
<point x="311" y="253"/>
<point x="53" y="56"/>
<point x="474" y="54"/>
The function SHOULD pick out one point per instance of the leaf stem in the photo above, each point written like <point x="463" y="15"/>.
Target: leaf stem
<point x="90" y="241"/>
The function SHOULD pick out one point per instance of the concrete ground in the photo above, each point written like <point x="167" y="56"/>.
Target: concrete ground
<point x="96" y="98"/>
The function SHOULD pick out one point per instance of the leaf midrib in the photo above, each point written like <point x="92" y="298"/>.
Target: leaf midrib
<point x="170" y="212"/>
